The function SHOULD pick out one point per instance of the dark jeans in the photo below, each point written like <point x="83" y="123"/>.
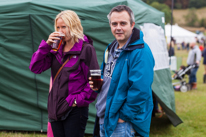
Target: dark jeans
<point x="192" y="77"/>
<point x="73" y="126"/>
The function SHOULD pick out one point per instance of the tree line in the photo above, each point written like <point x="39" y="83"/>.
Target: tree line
<point x="191" y="17"/>
<point x="180" y="4"/>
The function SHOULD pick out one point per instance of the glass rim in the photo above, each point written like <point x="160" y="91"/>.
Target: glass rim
<point x="95" y="70"/>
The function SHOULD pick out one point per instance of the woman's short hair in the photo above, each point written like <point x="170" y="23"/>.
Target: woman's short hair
<point x="73" y="22"/>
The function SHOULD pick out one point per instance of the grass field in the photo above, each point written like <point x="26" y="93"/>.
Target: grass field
<point x="179" y="15"/>
<point x="190" y="107"/>
<point x="18" y="134"/>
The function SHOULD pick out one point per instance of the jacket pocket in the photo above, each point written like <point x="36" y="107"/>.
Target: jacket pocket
<point x="51" y="106"/>
<point x="62" y="108"/>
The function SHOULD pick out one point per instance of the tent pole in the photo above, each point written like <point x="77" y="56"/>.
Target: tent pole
<point x="170" y="47"/>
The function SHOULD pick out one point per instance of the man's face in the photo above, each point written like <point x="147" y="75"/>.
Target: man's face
<point x="192" y="45"/>
<point x="120" y="26"/>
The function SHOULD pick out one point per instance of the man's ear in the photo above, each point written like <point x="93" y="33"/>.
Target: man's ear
<point x="133" y="23"/>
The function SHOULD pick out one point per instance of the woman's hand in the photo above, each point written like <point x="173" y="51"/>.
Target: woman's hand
<point x="74" y="105"/>
<point x="52" y="37"/>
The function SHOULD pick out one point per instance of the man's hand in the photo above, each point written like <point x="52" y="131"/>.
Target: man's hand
<point x="91" y="84"/>
<point x="120" y="120"/>
<point x="197" y="62"/>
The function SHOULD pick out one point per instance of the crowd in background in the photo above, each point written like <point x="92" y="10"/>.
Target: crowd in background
<point x="196" y="51"/>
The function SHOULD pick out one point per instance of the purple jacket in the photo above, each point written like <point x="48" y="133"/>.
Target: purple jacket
<point x="72" y="82"/>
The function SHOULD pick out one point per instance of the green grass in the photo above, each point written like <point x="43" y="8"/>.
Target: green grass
<point x="21" y="134"/>
<point x="190" y="107"/>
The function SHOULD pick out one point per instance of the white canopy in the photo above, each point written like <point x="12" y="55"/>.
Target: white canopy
<point x="155" y="38"/>
<point x="200" y="36"/>
<point x="179" y="34"/>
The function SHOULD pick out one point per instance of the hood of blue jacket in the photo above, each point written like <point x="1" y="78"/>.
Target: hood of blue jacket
<point x="136" y="41"/>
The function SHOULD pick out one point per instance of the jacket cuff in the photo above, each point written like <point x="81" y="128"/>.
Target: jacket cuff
<point x="70" y="100"/>
<point x="126" y="116"/>
<point x="44" y="47"/>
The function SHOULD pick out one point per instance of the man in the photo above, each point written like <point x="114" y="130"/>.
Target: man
<point x="171" y="50"/>
<point x="125" y="104"/>
<point x="204" y="63"/>
<point x="194" y="57"/>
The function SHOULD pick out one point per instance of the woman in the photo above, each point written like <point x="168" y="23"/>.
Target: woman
<point x="71" y="94"/>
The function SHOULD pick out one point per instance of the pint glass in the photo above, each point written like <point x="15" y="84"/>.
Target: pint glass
<point x="96" y="78"/>
<point x="56" y="46"/>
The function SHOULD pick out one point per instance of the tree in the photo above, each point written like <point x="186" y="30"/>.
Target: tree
<point x="203" y="22"/>
<point x="191" y="18"/>
<point x="151" y="1"/>
<point x="178" y="6"/>
<point x="197" y="4"/>
<point x="185" y="3"/>
<point x="164" y="8"/>
<point x="178" y="3"/>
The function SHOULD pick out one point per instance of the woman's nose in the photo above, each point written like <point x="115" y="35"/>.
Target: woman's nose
<point x="61" y="30"/>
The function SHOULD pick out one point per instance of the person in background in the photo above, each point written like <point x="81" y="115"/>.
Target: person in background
<point x="183" y="45"/>
<point x="171" y="51"/>
<point x="70" y="94"/>
<point x="197" y="40"/>
<point x="124" y="105"/>
<point x="202" y="42"/>
<point x="204" y="63"/>
<point x="178" y="46"/>
<point x="201" y="47"/>
<point x="194" y="57"/>
<point x="188" y="46"/>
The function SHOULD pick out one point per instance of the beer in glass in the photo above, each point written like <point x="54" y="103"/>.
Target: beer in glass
<point x="56" y="46"/>
<point x="96" y="78"/>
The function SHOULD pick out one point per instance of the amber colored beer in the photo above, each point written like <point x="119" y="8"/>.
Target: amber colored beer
<point x="55" y="46"/>
<point x="96" y="78"/>
<point x="58" y="43"/>
<point x="96" y="81"/>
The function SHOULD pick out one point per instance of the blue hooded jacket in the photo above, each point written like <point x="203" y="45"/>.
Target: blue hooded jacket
<point x="130" y="94"/>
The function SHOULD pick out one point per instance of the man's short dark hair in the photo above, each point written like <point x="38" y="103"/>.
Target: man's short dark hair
<point x="121" y="8"/>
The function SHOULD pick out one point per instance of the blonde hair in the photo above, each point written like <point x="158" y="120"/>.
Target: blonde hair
<point x="73" y="22"/>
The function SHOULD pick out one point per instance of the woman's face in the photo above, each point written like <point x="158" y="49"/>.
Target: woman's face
<point x="61" y="27"/>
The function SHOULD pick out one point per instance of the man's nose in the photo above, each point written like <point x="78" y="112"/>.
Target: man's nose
<point x="118" y="27"/>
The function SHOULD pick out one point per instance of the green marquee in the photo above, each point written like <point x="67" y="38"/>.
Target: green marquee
<point x="24" y="23"/>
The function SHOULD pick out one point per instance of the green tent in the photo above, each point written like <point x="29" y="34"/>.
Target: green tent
<point x="24" y="23"/>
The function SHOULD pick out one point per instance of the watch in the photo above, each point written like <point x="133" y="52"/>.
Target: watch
<point x="75" y="102"/>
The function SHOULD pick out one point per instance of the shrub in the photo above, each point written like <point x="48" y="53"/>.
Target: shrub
<point x="164" y="8"/>
<point x="191" y="18"/>
<point x="197" y="3"/>
<point x="202" y="22"/>
<point x="178" y="5"/>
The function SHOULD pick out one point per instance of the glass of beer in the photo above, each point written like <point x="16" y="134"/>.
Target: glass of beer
<point x="96" y="78"/>
<point x="56" y="46"/>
